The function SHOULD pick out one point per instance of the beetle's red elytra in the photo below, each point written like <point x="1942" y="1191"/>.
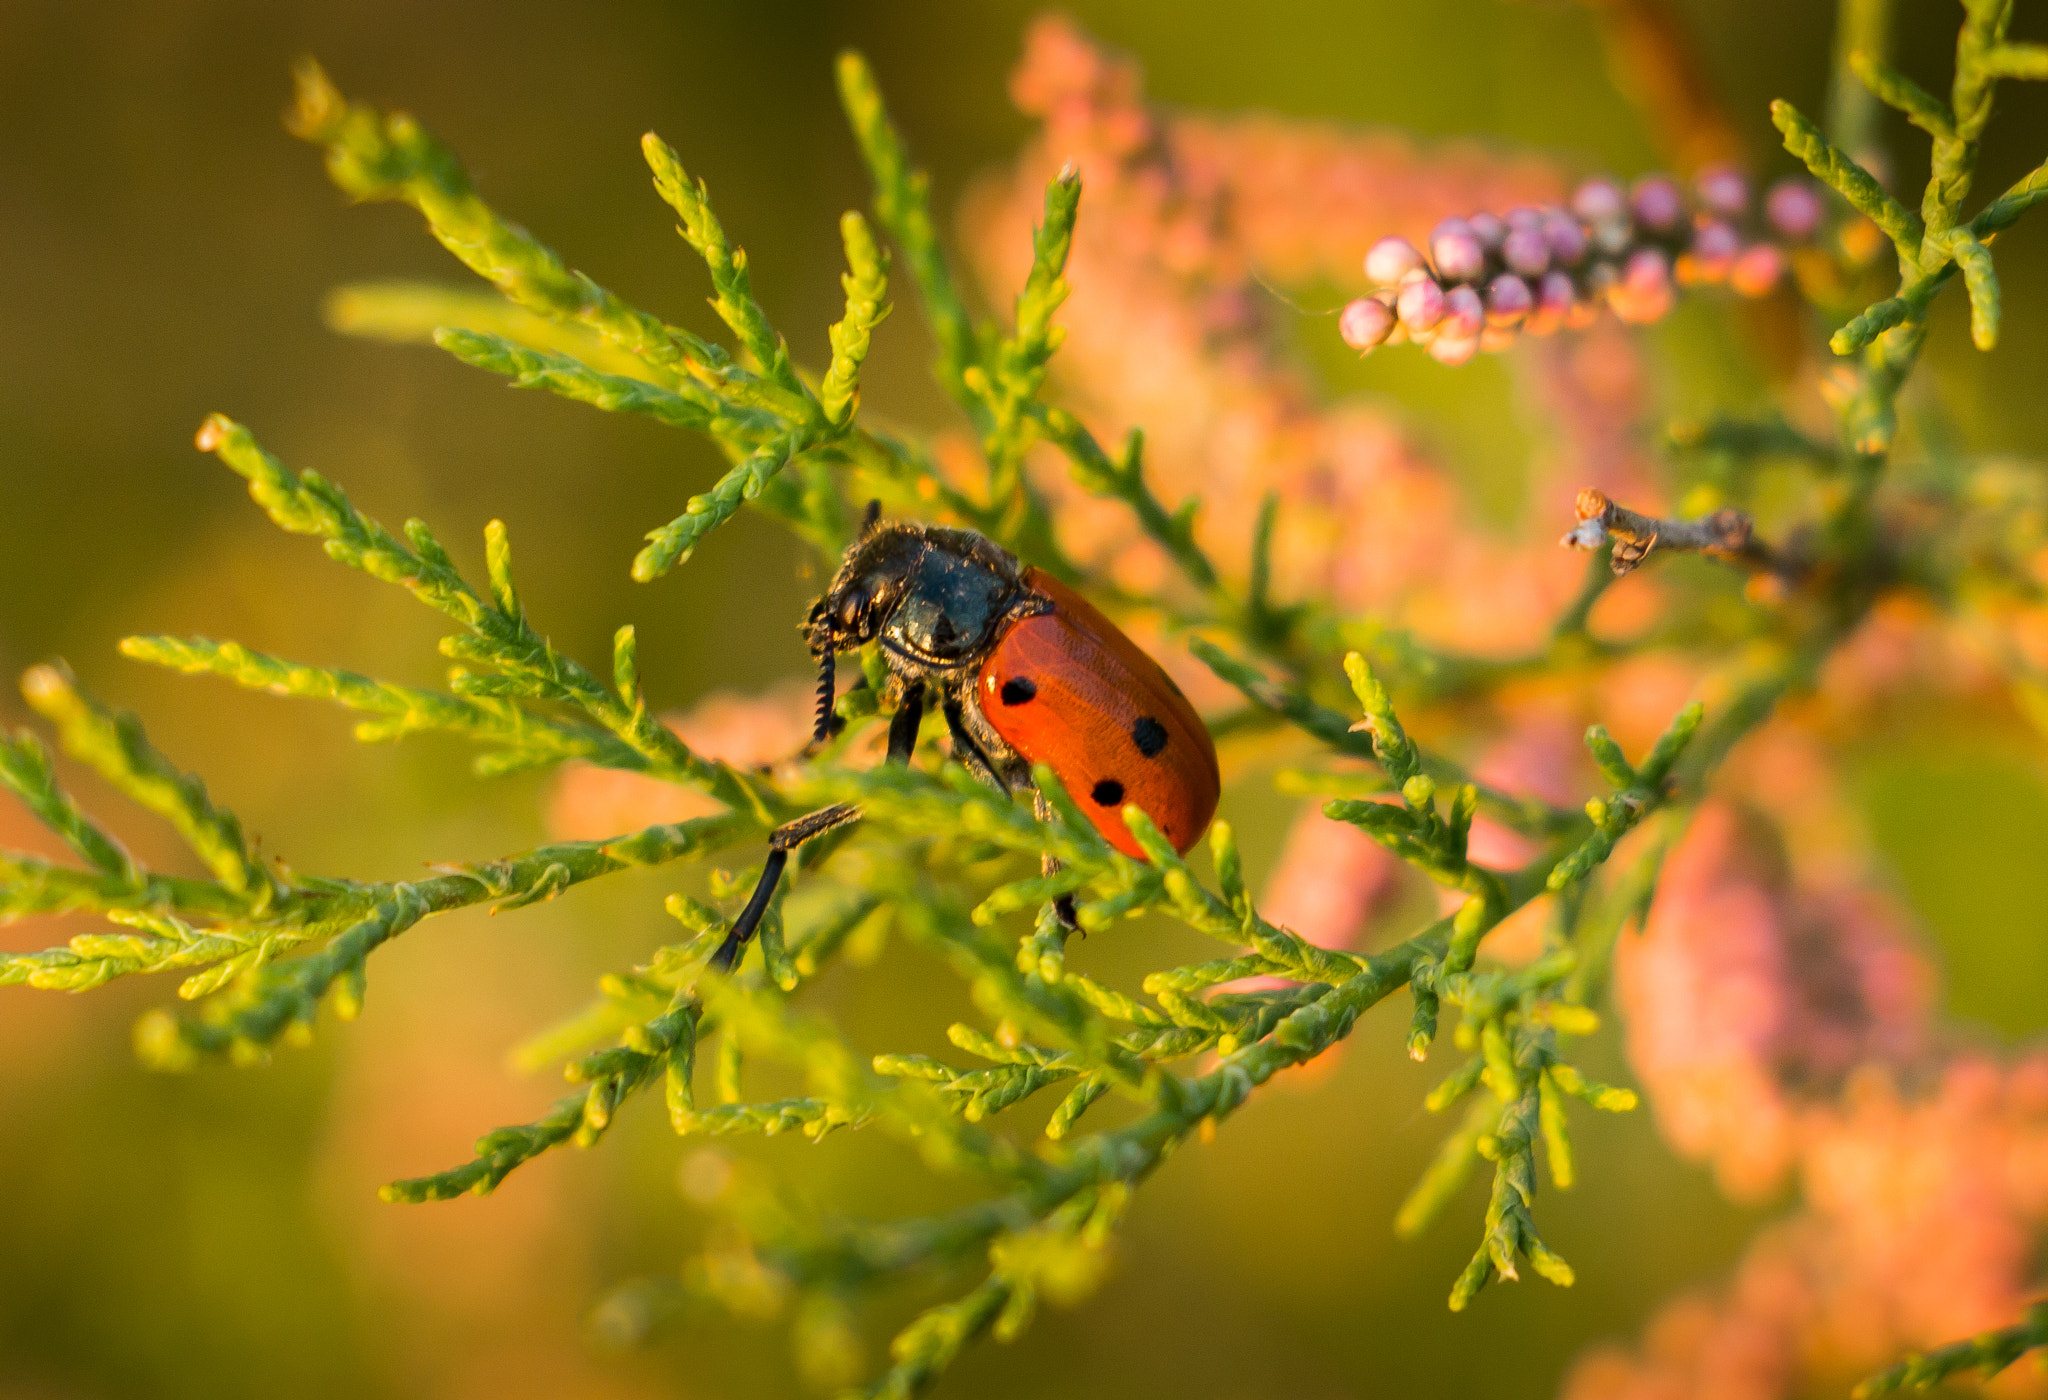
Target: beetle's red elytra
<point x="1066" y="688"/>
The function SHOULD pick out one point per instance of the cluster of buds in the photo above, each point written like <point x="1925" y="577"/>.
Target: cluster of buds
<point x="1487" y="279"/>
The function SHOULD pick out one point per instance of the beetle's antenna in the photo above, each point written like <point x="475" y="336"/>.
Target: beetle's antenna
<point x="870" y="518"/>
<point x="827" y="663"/>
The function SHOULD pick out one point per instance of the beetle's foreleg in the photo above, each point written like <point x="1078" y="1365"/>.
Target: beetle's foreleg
<point x="903" y="725"/>
<point x="781" y="842"/>
<point x="966" y="749"/>
<point x="827" y="722"/>
<point x="1049" y="865"/>
<point x="787" y="837"/>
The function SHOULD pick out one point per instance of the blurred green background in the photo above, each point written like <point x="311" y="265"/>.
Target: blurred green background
<point x="166" y="249"/>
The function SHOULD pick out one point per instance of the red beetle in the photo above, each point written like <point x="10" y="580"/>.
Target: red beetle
<point x="1027" y="671"/>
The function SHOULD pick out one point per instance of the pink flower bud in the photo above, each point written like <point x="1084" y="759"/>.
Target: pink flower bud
<point x="1464" y="314"/>
<point x="1525" y="250"/>
<point x="1365" y="323"/>
<point x="1644" y="292"/>
<point x="1566" y="239"/>
<point x="1656" y="203"/>
<point x="1524" y="216"/>
<point x="1456" y="251"/>
<point x="1489" y="229"/>
<point x="1723" y="190"/>
<point x="1794" y="209"/>
<point x="1421" y="305"/>
<point x="1598" y="201"/>
<point x="1453" y="350"/>
<point x="1757" y="269"/>
<point x="1390" y="260"/>
<point x="1712" y="253"/>
<point x="1508" y="300"/>
<point x="1646" y="270"/>
<point x="1612" y="240"/>
<point x="1554" y="298"/>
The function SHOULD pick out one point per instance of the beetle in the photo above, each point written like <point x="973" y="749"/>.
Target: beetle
<point x="1025" y="671"/>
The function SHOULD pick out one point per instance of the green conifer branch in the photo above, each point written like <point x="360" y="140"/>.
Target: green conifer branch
<point x="626" y="1001"/>
<point x="734" y="302"/>
<point x="1084" y="1192"/>
<point x="1980" y="279"/>
<point x="1509" y="1028"/>
<point x="2003" y="212"/>
<point x="1123" y="478"/>
<point x="2028" y="61"/>
<point x="528" y="666"/>
<point x="159" y="943"/>
<point x="1836" y="170"/>
<point x="903" y="205"/>
<point x="1976" y="78"/>
<point x="519" y="735"/>
<point x="1900" y="92"/>
<point x="1528" y="815"/>
<point x="246" y="923"/>
<point x="997" y="383"/>
<point x="763" y="420"/>
<point x="31" y="886"/>
<point x="683" y="406"/>
<point x="660" y="1046"/>
<point x="374" y="156"/>
<point x="26" y="771"/>
<point x="674" y="542"/>
<point x="112" y="743"/>
<point x="411" y="313"/>
<point x="1862" y="27"/>
<point x="1015" y="368"/>
<point x="581" y="1118"/>
<point x="1511" y="1020"/>
<point x="1939" y="241"/>
<point x="1643" y="792"/>
<point x="282" y="999"/>
<point x="923" y="1350"/>
<point x="1751" y="438"/>
<point x="867" y="284"/>
<point x="855" y="1092"/>
<point x="1987" y="1353"/>
<point x="1626" y="899"/>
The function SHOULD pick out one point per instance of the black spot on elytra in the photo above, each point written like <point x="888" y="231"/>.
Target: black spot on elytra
<point x="1108" y="793"/>
<point x="1149" y="735"/>
<point x="1018" y="690"/>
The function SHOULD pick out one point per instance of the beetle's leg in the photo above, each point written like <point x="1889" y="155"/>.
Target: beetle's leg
<point x="976" y="760"/>
<point x="827" y="723"/>
<point x="966" y="750"/>
<point x="903" y="725"/>
<point x="787" y="837"/>
<point x="781" y="842"/>
<point x="1048" y="865"/>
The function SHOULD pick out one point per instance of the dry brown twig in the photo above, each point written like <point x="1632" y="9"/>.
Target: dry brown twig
<point x="1725" y="534"/>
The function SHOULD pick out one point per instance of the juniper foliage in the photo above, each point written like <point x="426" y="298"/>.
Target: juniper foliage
<point x="262" y="948"/>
